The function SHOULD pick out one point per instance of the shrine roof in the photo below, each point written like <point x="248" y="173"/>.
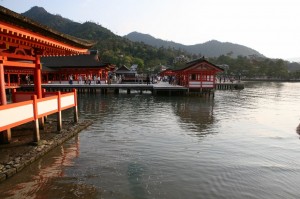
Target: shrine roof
<point x="123" y="68"/>
<point x="75" y="61"/>
<point x="10" y="17"/>
<point x="197" y="61"/>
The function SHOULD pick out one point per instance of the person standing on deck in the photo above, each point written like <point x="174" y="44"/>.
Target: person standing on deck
<point x="148" y="79"/>
<point x="27" y="79"/>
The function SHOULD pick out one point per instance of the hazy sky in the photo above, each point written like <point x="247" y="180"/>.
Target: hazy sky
<point x="269" y="26"/>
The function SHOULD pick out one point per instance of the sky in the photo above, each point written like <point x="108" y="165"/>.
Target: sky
<point x="269" y="26"/>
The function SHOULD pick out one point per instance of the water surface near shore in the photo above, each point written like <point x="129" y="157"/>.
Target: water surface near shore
<point x="242" y="144"/>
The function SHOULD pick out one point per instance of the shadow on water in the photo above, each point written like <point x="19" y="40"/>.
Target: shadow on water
<point x="298" y="130"/>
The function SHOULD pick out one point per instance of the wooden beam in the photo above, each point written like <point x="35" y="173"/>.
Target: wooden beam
<point x="18" y="64"/>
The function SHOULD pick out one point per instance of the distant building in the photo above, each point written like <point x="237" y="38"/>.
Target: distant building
<point x="126" y="74"/>
<point x="181" y="59"/>
<point x="197" y="74"/>
<point x="134" y="67"/>
<point x="59" y="68"/>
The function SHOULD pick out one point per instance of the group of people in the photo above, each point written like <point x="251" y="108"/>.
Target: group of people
<point x="111" y="78"/>
<point x="86" y="79"/>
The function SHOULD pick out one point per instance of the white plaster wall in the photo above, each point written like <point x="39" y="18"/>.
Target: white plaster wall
<point x="47" y="106"/>
<point x="12" y="115"/>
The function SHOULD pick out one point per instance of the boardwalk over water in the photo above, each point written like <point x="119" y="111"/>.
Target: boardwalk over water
<point x="158" y="88"/>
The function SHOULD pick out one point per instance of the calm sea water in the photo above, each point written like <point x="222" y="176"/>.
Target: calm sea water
<point x="242" y="144"/>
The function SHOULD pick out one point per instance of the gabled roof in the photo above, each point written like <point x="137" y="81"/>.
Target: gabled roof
<point x="9" y="17"/>
<point x="193" y="63"/>
<point x="122" y="68"/>
<point x="76" y="61"/>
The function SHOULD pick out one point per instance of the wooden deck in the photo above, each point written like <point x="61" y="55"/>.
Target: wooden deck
<point x="163" y="88"/>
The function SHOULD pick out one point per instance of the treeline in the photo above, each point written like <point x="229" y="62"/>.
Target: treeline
<point x="258" y="67"/>
<point x="121" y="51"/>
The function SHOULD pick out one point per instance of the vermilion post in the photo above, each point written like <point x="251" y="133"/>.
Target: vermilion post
<point x="5" y="135"/>
<point x="45" y="117"/>
<point x="2" y="84"/>
<point x="37" y="78"/>
<point x="38" y="84"/>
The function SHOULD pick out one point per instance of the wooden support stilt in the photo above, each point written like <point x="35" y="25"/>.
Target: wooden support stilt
<point x="42" y="123"/>
<point x="36" y="134"/>
<point x="75" y="107"/>
<point x="5" y="136"/>
<point x="58" y="114"/>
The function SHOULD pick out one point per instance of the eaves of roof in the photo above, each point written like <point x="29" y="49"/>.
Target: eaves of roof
<point x="16" y="19"/>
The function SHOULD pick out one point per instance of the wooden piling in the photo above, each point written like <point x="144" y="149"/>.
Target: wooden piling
<point x="36" y="133"/>
<point x="58" y="114"/>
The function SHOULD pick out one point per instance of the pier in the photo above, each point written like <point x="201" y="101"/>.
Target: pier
<point x="161" y="88"/>
<point x="230" y="86"/>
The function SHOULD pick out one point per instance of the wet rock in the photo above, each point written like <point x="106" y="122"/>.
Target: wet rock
<point x="19" y="167"/>
<point x="17" y="160"/>
<point x="14" y="160"/>
<point x="10" y="163"/>
<point x="10" y="172"/>
<point x="2" y="177"/>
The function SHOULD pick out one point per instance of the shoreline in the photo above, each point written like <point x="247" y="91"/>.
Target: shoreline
<point x="21" y="152"/>
<point x="271" y="80"/>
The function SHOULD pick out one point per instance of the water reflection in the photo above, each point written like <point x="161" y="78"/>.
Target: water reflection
<point x="195" y="114"/>
<point x="143" y="146"/>
<point x="37" y="180"/>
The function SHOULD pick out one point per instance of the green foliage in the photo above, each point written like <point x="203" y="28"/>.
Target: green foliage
<point x="256" y="67"/>
<point x="121" y="51"/>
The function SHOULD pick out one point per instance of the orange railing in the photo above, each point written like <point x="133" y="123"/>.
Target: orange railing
<point x="24" y="110"/>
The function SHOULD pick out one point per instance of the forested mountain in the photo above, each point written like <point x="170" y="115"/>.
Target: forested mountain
<point x="112" y="48"/>
<point x="211" y="48"/>
<point x="120" y="50"/>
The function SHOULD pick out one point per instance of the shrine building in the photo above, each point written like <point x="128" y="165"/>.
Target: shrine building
<point x="22" y="43"/>
<point x="197" y="75"/>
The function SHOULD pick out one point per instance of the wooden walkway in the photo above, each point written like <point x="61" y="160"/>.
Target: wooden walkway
<point x="156" y="89"/>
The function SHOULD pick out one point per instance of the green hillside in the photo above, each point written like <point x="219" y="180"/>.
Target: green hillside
<point x="120" y="50"/>
<point x="211" y="48"/>
<point x="112" y="48"/>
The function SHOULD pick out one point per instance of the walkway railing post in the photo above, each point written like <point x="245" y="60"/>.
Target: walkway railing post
<point x="75" y="107"/>
<point x="45" y="117"/>
<point x="59" y="120"/>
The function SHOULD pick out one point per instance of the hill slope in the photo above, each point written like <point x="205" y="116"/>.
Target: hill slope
<point x="68" y="26"/>
<point x="212" y="48"/>
<point x="113" y="48"/>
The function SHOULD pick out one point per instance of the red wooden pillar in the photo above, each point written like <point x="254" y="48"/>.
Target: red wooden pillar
<point x="5" y="136"/>
<point x="37" y="78"/>
<point x="38" y="84"/>
<point x="2" y="85"/>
